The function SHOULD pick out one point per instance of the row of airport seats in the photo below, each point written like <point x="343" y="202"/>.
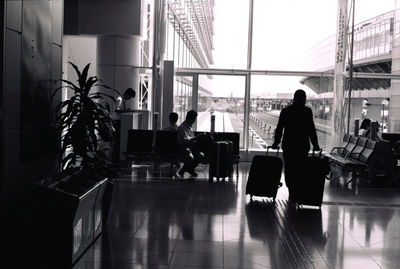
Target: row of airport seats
<point x="394" y="139"/>
<point x="161" y="145"/>
<point x="361" y="153"/>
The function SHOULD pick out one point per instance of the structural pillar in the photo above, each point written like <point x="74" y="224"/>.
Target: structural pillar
<point x="118" y="58"/>
<point x="338" y="113"/>
<point x="167" y="92"/>
<point x="394" y="105"/>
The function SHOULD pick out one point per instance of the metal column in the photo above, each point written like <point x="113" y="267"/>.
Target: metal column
<point x="195" y="92"/>
<point x="248" y="78"/>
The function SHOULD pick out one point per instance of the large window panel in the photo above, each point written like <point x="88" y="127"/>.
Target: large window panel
<point x="288" y="34"/>
<point x="270" y="94"/>
<point x="284" y="31"/>
<point x="231" y="31"/>
<point x="182" y="96"/>
<point x="225" y="100"/>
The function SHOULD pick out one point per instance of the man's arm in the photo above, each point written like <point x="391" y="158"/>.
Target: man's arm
<point x="183" y="138"/>
<point x="313" y="131"/>
<point x="279" y="129"/>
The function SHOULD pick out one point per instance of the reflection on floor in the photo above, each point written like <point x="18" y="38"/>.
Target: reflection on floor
<point x="159" y="221"/>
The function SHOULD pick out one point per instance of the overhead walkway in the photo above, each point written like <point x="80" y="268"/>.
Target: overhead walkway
<point x="372" y="56"/>
<point x="322" y="84"/>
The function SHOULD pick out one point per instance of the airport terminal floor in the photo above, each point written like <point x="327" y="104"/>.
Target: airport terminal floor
<point x="159" y="221"/>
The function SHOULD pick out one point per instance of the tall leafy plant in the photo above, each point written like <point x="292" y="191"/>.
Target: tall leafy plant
<point x="84" y="123"/>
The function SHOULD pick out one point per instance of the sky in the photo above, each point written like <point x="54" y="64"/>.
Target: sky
<point x="283" y="32"/>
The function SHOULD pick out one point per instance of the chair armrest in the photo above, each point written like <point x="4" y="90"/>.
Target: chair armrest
<point x="349" y="154"/>
<point x="336" y="148"/>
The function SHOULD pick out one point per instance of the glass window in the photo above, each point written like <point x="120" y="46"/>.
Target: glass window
<point x="224" y="98"/>
<point x="285" y="30"/>
<point x="270" y="94"/>
<point x="182" y="96"/>
<point x="288" y="35"/>
<point x="231" y="31"/>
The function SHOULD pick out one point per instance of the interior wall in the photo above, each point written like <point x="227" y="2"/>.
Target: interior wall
<point x="31" y="63"/>
<point x="80" y="50"/>
<point x="103" y="17"/>
<point x="2" y="215"/>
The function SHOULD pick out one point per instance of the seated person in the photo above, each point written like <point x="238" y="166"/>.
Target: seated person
<point x="364" y="127"/>
<point x="385" y="158"/>
<point x="172" y="127"/>
<point x="173" y="118"/>
<point x="377" y="130"/>
<point x="189" y="145"/>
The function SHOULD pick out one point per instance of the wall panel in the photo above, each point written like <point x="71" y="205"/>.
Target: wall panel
<point x="12" y="80"/>
<point x="57" y="17"/>
<point x="14" y="15"/>
<point x="36" y="63"/>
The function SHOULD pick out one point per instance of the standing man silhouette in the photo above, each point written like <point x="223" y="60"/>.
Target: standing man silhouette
<point x="297" y="125"/>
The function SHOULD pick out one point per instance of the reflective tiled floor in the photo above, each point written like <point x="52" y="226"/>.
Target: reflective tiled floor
<point x="159" y="221"/>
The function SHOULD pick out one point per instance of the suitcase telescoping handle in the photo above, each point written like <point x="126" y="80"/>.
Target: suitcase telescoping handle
<point x="269" y="147"/>
<point x="319" y="154"/>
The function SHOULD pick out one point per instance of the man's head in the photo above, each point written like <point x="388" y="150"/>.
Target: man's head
<point x="365" y="124"/>
<point x="299" y="97"/>
<point x="191" y="116"/>
<point x="173" y="118"/>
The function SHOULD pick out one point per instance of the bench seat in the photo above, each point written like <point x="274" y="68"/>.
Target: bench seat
<point x="360" y="153"/>
<point x="162" y="145"/>
<point x="357" y="154"/>
<point x="345" y="161"/>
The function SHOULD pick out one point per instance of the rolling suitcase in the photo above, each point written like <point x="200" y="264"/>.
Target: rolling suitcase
<point x="264" y="176"/>
<point x="220" y="160"/>
<point x="310" y="190"/>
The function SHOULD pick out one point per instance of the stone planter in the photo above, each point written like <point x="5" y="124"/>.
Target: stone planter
<point x="71" y="212"/>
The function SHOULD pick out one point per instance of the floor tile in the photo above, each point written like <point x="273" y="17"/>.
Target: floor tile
<point x="201" y="259"/>
<point x="158" y="221"/>
<point x="352" y="262"/>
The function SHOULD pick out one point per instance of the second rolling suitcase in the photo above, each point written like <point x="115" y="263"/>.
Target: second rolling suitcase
<point x="264" y="176"/>
<point x="310" y="190"/>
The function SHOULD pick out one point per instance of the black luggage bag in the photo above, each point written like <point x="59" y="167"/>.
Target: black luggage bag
<point x="220" y="160"/>
<point x="264" y="176"/>
<point x="310" y="190"/>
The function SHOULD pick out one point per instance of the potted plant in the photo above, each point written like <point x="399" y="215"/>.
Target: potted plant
<point x="83" y="187"/>
<point x="84" y="123"/>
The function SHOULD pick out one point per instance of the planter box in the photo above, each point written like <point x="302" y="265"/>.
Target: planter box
<point x="70" y="217"/>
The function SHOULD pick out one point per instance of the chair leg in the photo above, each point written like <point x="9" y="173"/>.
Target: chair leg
<point x="351" y="179"/>
<point x="348" y="182"/>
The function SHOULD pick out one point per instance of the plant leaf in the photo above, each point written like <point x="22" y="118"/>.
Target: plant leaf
<point x="76" y="69"/>
<point x="83" y="77"/>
